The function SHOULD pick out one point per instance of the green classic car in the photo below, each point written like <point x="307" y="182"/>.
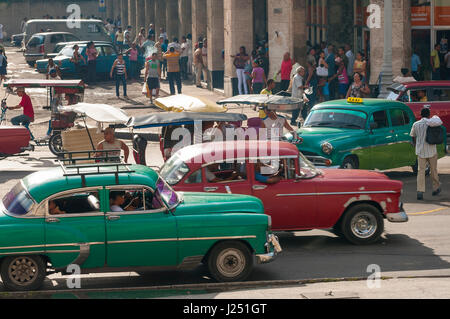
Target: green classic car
<point x="357" y="133"/>
<point x="125" y="218"/>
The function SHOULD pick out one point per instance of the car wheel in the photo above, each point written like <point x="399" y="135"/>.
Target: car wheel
<point x="230" y="261"/>
<point x="350" y="162"/>
<point x="362" y="224"/>
<point x="55" y="144"/>
<point x="23" y="273"/>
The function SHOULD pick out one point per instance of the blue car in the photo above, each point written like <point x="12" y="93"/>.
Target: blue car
<point x="107" y="54"/>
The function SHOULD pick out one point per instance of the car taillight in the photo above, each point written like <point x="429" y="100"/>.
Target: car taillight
<point x="42" y="49"/>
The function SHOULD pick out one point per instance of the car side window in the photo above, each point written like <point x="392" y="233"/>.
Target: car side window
<point x="138" y="199"/>
<point x="418" y="95"/>
<point x="75" y="203"/>
<point x="108" y="51"/>
<point x="195" y="178"/>
<point x="380" y="119"/>
<point x="397" y="117"/>
<point x="440" y="94"/>
<point x="70" y="38"/>
<point x="226" y="172"/>
<point x="99" y="51"/>
<point x="56" y="38"/>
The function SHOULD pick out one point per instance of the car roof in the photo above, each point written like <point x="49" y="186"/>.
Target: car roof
<point x="367" y="105"/>
<point x="42" y="184"/>
<point x="426" y="83"/>
<point x="63" y="20"/>
<point x="231" y="150"/>
<point x="51" y="33"/>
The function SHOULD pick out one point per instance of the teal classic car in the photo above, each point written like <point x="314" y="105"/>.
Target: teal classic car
<point x="357" y="133"/>
<point x="125" y="218"/>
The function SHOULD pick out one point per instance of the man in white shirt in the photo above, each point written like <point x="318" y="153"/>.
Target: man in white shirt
<point x="298" y="84"/>
<point x="184" y="57"/>
<point x="426" y="153"/>
<point x="351" y="60"/>
<point x="405" y="78"/>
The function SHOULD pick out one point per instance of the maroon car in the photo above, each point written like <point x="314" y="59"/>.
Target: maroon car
<point x="432" y="94"/>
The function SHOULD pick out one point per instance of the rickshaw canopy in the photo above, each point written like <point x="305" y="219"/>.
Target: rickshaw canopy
<point x="166" y="119"/>
<point x="77" y="85"/>
<point x="101" y="113"/>
<point x="272" y="102"/>
<point x="186" y="103"/>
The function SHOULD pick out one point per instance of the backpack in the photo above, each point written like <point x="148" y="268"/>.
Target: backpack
<point x="435" y="135"/>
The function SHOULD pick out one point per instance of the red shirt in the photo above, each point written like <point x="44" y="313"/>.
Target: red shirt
<point x="27" y="106"/>
<point x="286" y="68"/>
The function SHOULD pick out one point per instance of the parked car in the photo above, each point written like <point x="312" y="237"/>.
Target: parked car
<point x="354" y="203"/>
<point x="125" y="217"/>
<point x="107" y="54"/>
<point x="435" y="95"/>
<point x="16" y="39"/>
<point x="357" y="133"/>
<point x="86" y="29"/>
<point x="41" y="44"/>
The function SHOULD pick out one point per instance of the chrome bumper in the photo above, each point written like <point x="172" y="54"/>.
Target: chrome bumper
<point x="400" y="217"/>
<point x="273" y="248"/>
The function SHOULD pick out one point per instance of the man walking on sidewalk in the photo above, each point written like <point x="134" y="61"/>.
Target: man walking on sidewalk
<point x="199" y="65"/>
<point x="426" y="153"/>
<point x="173" y="70"/>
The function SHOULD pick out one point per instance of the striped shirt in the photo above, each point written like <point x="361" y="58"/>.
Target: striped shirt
<point x="173" y="62"/>
<point x="120" y="68"/>
<point x="419" y="131"/>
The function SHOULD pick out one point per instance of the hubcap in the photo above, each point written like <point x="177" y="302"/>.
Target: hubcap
<point x="231" y="262"/>
<point x="363" y="225"/>
<point x="23" y="271"/>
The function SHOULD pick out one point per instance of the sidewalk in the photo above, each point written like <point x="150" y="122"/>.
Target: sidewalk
<point x="398" y="288"/>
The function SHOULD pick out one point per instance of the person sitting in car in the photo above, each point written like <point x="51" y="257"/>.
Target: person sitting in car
<point x="263" y="177"/>
<point x="53" y="208"/>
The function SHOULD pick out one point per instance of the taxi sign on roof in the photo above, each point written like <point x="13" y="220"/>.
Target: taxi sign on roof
<point x="355" y="100"/>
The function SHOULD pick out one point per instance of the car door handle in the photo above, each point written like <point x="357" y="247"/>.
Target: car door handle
<point x="427" y="105"/>
<point x="210" y="189"/>
<point x="52" y="220"/>
<point x="259" y="187"/>
<point x="113" y="218"/>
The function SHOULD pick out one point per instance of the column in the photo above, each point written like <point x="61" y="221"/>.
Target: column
<point x="215" y="36"/>
<point x="185" y="15"/>
<point x="124" y="13"/>
<point x="132" y="16"/>
<point x="400" y="56"/>
<point x="198" y="19"/>
<point x="140" y="15"/>
<point x="109" y="9"/>
<point x="149" y="13"/>
<point x="287" y="32"/>
<point x="238" y="26"/>
<point x="160" y="16"/>
<point x="116" y="9"/>
<point x="172" y="20"/>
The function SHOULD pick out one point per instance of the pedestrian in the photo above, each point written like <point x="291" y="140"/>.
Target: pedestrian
<point x="1" y="33"/>
<point x="426" y="153"/>
<point x="173" y="70"/>
<point x="119" y="39"/>
<point x="189" y="52"/>
<point x="259" y="80"/>
<point x="360" y="65"/>
<point x="351" y="60"/>
<point x="92" y="54"/>
<point x="184" y="58"/>
<point x="248" y="69"/>
<point x="447" y="64"/>
<point x="76" y="59"/>
<point x="53" y="70"/>
<point x="175" y="44"/>
<point x="332" y="77"/>
<point x="140" y="38"/>
<point x="199" y="65"/>
<point x="285" y="71"/>
<point x="405" y="78"/>
<point x="322" y="74"/>
<point x="127" y="38"/>
<point x="119" y="73"/>
<point x="341" y="54"/>
<point x="110" y="28"/>
<point x="153" y="75"/>
<point x="416" y="65"/>
<point x="298" y="86"/>
<point x="151" y="30"/>
<point x="133" y="54"/>
<point x="239" y="62"/>
<point x="311" y="79"/>
<point x="358" y="88"/>
<point x="268" y="90"/>
<point x="163" y="34"/>
<point x="436" y="63"/>
<point x="159" y="51"/>
<point x="3" y="65"/>
<point x="28" y="112"/>
<point x="148" y="47"/>
<point x="165" y="48"/>
<point x="342" y="78"/>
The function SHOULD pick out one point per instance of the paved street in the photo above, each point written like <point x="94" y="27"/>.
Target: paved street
<point x="417" y="248"/>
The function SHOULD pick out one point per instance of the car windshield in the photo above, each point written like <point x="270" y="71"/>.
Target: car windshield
<point x="174" y="170"/>
<point x="17" y="201"/>
<point x="167" y="194"/>
<point x="67" y="51"/>
<point x="307" y="169"/>
<point x="336" y="118"/>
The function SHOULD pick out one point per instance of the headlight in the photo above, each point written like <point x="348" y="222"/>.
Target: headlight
<point x="327" y="148"/>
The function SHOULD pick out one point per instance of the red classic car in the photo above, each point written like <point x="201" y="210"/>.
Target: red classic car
<point x="297" y="195"/>
<point x="432" y="94"/>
